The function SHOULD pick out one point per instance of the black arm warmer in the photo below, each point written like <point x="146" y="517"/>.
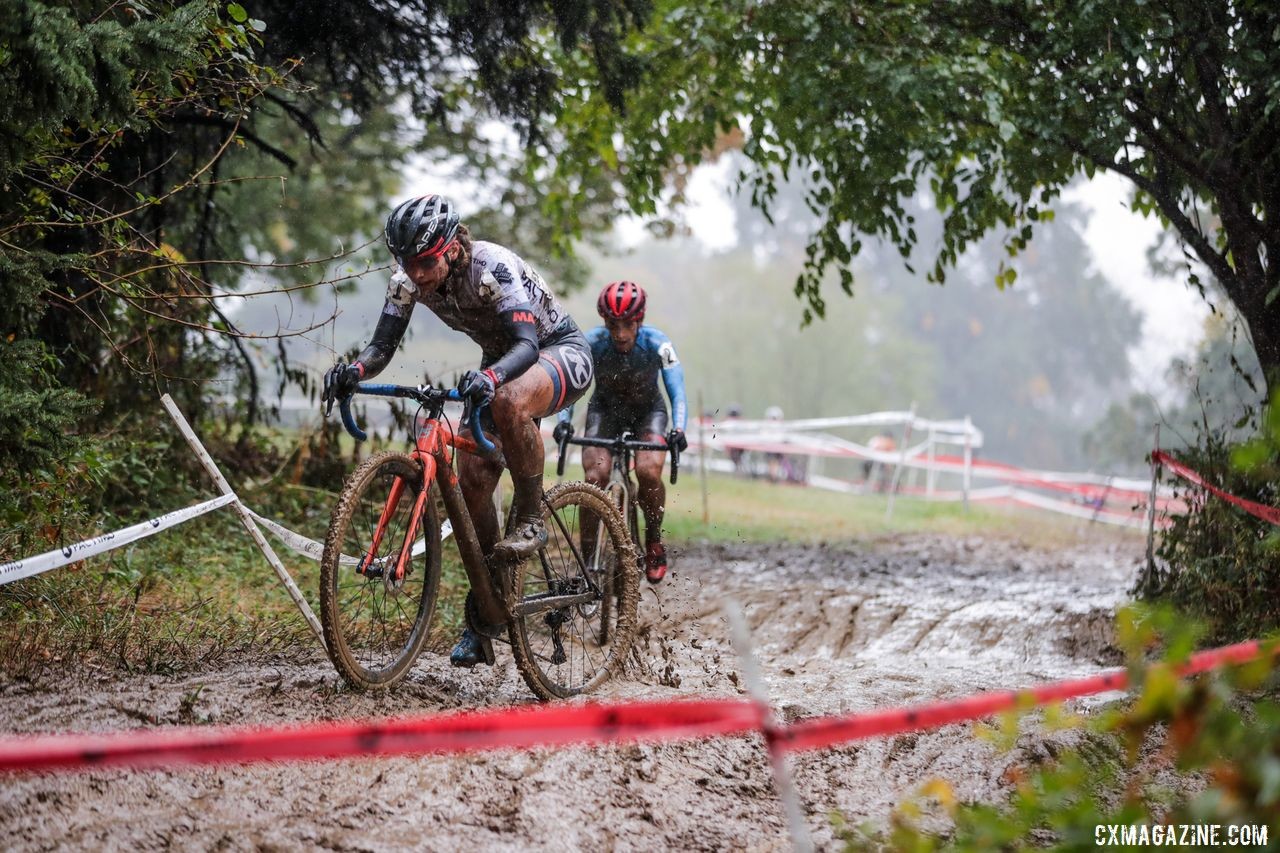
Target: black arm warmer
<point x="386" y="338"/>
<point x="524" y="352"/>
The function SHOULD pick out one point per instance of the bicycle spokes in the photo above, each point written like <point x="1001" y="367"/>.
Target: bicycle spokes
<point x="562" y="601"/>
<point x="376" y="617"/>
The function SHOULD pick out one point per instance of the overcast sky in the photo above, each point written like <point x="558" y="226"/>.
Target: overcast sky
<point x="1172" y="312"/>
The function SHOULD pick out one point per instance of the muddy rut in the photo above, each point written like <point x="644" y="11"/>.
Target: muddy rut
<point x="837" y="630"/>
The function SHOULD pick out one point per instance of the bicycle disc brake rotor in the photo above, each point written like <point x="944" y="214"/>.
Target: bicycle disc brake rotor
<point x="389" y="582"/>
<point x="588" y="609"/>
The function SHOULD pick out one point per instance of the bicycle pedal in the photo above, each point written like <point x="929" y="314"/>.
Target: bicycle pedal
<point x="486" y="649"/>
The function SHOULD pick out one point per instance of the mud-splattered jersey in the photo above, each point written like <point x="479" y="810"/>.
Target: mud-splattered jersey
<point x="630" y="380"/>
<point x="498" y="280"/>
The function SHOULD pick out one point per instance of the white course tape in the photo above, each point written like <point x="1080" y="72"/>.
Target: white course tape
<point x="19" y="569"/>
<point x="313" y="549"/>
<point x="1040" y="501"/>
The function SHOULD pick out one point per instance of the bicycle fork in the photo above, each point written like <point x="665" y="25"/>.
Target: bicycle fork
<point x="415" y="520"/>
<point x="388" y="510"/>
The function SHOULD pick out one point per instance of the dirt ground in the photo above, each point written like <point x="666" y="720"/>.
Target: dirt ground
<point x="836" y="630"/>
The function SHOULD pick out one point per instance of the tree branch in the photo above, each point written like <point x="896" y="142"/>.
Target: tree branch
<point x="238" y="129"/>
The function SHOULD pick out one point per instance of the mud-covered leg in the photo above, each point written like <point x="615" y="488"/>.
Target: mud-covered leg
<point x="478" y="477"/>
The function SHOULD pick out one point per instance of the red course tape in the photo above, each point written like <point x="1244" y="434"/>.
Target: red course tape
<point x="1266" y="513"/>
<point x="543" y="725"/>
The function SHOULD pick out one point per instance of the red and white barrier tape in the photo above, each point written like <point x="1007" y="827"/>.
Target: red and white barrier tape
<point x="544" y="725"/>
<point x="1266" y="513"/>
<point x="49" y="560"/>
<point x="314" y="550"/>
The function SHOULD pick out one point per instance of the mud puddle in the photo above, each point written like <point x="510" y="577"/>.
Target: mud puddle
<point x="836" y="630"/>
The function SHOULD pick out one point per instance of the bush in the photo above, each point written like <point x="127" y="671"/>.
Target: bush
<point x="1218" y="734"/>
<point x="1222" y="564"/>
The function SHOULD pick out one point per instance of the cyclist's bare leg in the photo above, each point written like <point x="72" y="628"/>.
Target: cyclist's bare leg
<point x="521" y="444"/>
<point x="478" y="478"/>
<point x="652" y="493"/>
<point x="514" y="408"/>
<point x="597" y="464"/>
<point x="652" y="498"/>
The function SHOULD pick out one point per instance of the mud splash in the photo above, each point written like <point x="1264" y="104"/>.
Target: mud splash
<point x="836" y="630"/>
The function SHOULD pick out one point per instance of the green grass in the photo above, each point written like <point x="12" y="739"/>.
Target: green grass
<point x="745" y="510"/>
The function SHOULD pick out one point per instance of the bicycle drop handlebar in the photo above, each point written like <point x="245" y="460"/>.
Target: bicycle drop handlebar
<point x="620" y="445"/>
<point x="425" y="395"/>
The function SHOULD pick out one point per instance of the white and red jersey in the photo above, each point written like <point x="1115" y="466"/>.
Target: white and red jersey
<point x="497" y="280"/>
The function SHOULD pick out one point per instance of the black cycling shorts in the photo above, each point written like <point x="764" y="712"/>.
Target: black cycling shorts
<point x="642" y="422"/>
<point x="568" y="362"/>
<point x="566" y="358"/>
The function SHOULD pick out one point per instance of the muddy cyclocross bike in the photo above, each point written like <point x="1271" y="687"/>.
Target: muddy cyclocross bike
<point x="380" y="571"/>
<point x="596" y="544"/>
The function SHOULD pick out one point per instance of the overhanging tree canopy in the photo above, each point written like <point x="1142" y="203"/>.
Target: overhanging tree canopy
<point x="996" y="104"/>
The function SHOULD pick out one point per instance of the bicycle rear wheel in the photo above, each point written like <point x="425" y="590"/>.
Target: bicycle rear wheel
<point x="559" y="603"/>
<point x="375" y="625"/>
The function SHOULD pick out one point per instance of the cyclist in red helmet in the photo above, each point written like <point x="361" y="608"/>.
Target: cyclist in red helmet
<point x="534" y="360"/>
<point x="629" y="357"/>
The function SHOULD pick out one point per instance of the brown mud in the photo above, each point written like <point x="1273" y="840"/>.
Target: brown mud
<point x="836" y="630"/>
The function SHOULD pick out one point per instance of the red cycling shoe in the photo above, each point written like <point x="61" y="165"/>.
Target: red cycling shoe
<point x="655" y="562"/>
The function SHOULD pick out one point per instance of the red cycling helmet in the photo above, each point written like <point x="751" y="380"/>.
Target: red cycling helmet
<point x="621" y="300"/>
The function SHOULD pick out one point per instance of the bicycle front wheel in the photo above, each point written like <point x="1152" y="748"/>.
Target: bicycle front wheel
<point x="375" y="623"/>
<point x="559" y="597"/>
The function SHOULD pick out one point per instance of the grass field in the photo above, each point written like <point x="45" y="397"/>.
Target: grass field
<point x="742" y="509"/>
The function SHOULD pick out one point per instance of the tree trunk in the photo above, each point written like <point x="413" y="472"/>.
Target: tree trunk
<point x="1248" y="293"/>
<point x="1264" y="328"/>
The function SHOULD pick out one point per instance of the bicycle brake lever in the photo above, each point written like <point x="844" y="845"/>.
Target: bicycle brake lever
<point x="477" y="431"/>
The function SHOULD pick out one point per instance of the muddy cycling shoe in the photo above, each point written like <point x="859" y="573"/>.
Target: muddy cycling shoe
<point x="655" y="562"/>
<point x="468" y="651"/>
<point x="529" y="535"/>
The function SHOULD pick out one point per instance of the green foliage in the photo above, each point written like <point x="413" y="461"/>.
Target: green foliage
<point x="60" y="67"/>
<point x="93" y="292"/>
<point x="1222" y="728"/>
<point x="995" y="105"/>
<point x="39" y="417"/>
<point x="1223" y="564"/>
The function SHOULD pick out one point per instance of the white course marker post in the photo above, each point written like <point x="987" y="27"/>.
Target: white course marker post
<point x="702" y="461"/>
<point x="902" y="461"/>
<point x="968" y="459"/>
<point x="932" y="476"/>
<point x="209" y="465"/>
<point x="741" y="637"/>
